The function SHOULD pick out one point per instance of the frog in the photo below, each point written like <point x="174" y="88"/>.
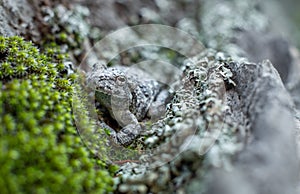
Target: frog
<point x="132" y="98"/>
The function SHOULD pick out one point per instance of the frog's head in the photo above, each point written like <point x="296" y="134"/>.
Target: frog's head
<point x="107" y="80"/>
<point x="110" y="86"/>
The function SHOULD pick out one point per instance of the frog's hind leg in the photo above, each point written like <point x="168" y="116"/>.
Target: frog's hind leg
<point x="158" y="107"/>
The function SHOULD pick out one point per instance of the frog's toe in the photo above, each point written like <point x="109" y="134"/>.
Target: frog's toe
<point x="128" y="134"/>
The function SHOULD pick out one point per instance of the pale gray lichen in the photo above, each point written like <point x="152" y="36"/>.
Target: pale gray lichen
<point x="66" y="26"/>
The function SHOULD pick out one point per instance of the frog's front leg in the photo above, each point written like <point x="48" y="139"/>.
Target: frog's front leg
<point x="125" y="136"/>
<point x="130" y="127"/>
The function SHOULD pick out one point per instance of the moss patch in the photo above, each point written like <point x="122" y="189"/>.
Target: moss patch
<point x="40" y="150"/>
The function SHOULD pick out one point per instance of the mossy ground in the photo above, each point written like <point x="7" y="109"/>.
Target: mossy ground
<point x="40" y="150"/>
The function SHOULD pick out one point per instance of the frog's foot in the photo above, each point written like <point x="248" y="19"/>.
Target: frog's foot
<point x="127" y="134"/>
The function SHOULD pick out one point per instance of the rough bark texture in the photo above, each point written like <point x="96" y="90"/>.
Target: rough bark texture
<point x="269" y="163"/>
<point x="265" y="68"/>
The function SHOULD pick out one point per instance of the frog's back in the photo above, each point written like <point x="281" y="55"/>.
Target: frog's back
<point x="144" y="90"/>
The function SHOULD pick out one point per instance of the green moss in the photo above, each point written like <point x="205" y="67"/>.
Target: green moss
<point x="40" y="150"/>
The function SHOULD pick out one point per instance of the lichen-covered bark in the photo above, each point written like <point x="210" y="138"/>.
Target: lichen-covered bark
<point x="269" y="162"/>
<point x="244" y="29"/>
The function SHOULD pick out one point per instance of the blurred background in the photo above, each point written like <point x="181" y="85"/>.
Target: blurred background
<point x="286" y="14"/>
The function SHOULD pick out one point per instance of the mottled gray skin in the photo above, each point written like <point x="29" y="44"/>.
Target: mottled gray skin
<point x="131" y="96"/>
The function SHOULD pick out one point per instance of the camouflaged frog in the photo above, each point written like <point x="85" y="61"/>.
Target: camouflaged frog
<point x="131" y="96"/>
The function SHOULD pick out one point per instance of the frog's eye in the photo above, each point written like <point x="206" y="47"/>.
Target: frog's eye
<point x="121" y="80"/>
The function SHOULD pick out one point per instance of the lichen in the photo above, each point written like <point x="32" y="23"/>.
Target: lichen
<point x="67" y="26"/>
<point x="40" y="150"/>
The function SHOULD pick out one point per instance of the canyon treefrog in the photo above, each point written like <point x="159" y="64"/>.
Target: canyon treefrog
<point x="131" y="96"/>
